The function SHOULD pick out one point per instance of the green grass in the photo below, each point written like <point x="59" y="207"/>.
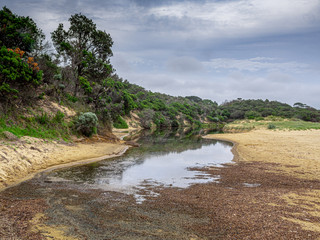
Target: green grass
<point x="296" y="125"/>
<point x="38" y="127"/>
<point x="272" y="124"/>
<point x="217" y="126"/>
<point x="120" y="123"/>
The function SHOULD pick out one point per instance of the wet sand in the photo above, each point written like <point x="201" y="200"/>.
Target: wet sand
<point x="271" y="191"/>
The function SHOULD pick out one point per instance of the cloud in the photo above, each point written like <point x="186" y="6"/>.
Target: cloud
<point x="255" y="64"/>
<point x="283" y="87"/>
<point x="244" y="17"/>
<point x="184" y="64"/>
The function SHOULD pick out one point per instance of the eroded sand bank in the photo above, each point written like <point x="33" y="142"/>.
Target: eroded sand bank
<point x="21" y="159"/>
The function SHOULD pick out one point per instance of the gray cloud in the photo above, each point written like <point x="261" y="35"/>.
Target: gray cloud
<point x="255" y="64"/>
<point x="184" y="65"/>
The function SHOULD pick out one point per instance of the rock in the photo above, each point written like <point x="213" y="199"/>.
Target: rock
<point x="131" y="143"/>
<point x="10" y="136"/>
<point x="34" y="148"/>
<point x="3" y="157"/>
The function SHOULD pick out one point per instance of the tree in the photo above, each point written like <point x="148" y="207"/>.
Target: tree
<point x="17" y="75"/>
<point x="300" y="105"/>
<point x="86" y="50"/>
<point x="19" y="32"/>
<point x="194" y="98"/>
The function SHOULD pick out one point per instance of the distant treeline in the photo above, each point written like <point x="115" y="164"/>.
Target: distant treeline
<point x="257" y="109"/>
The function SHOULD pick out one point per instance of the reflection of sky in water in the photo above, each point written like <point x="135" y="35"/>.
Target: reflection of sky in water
<point x="135" y="173"/>
<point x="172" y="169"/>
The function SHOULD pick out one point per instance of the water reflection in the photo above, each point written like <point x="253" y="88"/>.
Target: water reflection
<point x="163" y="160"/>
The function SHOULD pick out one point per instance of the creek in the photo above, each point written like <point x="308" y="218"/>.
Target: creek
<point x="163" y="160"/>
<point x="127" y="197"/>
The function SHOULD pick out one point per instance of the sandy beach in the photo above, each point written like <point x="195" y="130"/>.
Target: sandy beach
<point x="294" y="153"/>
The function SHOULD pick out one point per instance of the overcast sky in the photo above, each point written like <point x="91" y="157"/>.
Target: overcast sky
<point x="215" y="49"/>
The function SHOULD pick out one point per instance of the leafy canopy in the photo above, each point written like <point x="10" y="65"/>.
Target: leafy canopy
<point x="19" y="32"/>
<point x="86" y="49"/>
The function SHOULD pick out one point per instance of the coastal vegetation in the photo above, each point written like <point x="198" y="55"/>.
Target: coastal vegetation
<point x="37" y="125"/>
<point x="271" y="123"/>
<point x="77" y="74"/>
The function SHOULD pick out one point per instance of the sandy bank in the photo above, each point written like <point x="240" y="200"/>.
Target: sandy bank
<point x="296" y="153"/>
<point x="21" y="159"/>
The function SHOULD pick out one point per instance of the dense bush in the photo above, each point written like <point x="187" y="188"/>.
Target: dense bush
<point x="252" y="114"/>
<point x="146" y="118"/>
<point x="17" y="76"/>
<point x="86" y="123"/>
<point x="119" y="122"/>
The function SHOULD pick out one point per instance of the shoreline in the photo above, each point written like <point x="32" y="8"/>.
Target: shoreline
<point x="22" y="160"/>
<point x="294" y="153"/>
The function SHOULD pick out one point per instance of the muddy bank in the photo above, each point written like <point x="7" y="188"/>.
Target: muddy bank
<point x="21" y="159"/>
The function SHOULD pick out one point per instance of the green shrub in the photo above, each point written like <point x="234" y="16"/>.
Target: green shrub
<point x="42" y="95"/>
<point x="197" y="123"/>
<point x="120" y="123"/>
<point x="160" y="120"/>
<point x="71" y="98"/>
<point x="213" y="119"/>
<point x="86" y="123"/>
<point x="146" y="118"/>
<point x="259" y="118"/>
<point x="58" y="118"/>
<point x="252" y="114"/>
<point x="43" y="118"/>
<point x="271" y="126"/>
<point x="175" y="124"/>
<point x="16" y="75"/>
<point x="190" y="119"/>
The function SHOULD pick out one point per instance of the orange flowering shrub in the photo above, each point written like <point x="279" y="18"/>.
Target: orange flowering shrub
<point x="18" y="51"/>
<point x="32" y="64"/>
<point x="16" y="75"/>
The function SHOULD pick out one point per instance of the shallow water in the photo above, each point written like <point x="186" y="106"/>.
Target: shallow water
<point x="161" y="161"/>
